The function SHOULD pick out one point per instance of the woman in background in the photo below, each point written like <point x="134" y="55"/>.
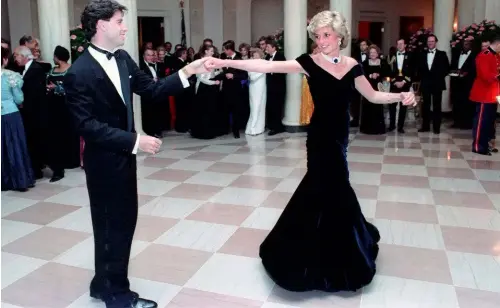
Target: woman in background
<point x="257" y="98"/>
<point x="207" y="97"/>
<point x="376" y="70"/>
<point x="17" y="173"/>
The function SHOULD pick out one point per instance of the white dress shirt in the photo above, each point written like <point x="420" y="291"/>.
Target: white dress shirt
<point x="27" y="66"/>
<point x="111" y="69"/>
<point x="430" y="57"/>
<point x="152" y="69"/>
<point x="363" y="57"/>
<point x="400" y="59"/>
<point x="462" y="59"/>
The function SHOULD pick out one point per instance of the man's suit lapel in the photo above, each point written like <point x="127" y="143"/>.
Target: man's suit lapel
<point x="125" y="83"/>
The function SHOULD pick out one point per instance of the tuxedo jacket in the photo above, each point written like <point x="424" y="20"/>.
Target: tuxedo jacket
<point x="101" y="116"/>
<point x="276" y="81"/>
<point x="406" y="74"/>
<point x="34" y="89"/>
<point x="233" y="86"/>
<point x="433" y="79"/>
<point x="468" y="68"/>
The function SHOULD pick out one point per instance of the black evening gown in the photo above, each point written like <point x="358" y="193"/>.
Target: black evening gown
<point x="322" y="240"/>
<point x="204" y="112"/>
<point x="372" y="120"/>
<point x="65" y="149"/>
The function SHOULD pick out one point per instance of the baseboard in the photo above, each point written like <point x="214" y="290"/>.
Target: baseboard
<point x="296" y="129"/>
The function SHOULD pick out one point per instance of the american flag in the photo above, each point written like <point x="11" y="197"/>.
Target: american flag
<point x="183" y="25"/>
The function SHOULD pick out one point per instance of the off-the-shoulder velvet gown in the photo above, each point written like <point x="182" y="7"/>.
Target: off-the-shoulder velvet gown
<point x="322" y="240"/>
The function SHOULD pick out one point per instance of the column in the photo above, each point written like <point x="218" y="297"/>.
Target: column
<point x="479" y="10"/>
<point x="444" y="11"/>
<point x="493" y="10"/>
<point x="244" y="21"/>
<point x="132" y="47"/>
<point x="53" y="17"/>
<point x="295" y="22"/>
<point x="344" y="7"/>
<point x="465" y="13"/>
<point x="213" y="12"/>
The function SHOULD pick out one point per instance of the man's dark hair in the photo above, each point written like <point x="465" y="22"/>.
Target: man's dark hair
<point x="98" y="10"/>
<point x="229" y="45"/>
<point x="180" y="51"/>
<point x="403" y="39"/>
<point x="272" y="42"/>
<point x="25" y="39"/>
<point x="434" y="36"/>
<point x="208" y="40"/>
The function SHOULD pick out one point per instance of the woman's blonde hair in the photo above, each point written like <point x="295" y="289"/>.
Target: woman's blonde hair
<point x="332" y="19"/>
<point x="258" y="51"/>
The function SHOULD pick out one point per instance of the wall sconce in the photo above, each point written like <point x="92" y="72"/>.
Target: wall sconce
<point x="455" y="26"/>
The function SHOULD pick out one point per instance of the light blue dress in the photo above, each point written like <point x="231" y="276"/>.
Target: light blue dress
<point x="17" y="172"/>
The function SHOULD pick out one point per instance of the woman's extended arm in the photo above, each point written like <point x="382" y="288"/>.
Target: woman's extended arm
<point x="257" y="65"/>
<point x="376" y="97"/>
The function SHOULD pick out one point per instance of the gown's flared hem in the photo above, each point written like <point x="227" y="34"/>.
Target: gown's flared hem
<point x="321" y="242"/>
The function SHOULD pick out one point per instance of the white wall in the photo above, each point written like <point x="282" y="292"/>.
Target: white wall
<point x="267" y="15"/>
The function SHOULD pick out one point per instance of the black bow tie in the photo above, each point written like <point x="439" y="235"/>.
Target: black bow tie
<point x="400" y="53"/>
<point x="465" y="52"/>
<point x="151" y="64"/>
<point x="108" y="54"/>
<point x="431" y="51"/>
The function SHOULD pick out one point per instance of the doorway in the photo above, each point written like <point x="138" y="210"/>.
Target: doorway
<point x="372" y="31"/>
<point x="151" y="29"/>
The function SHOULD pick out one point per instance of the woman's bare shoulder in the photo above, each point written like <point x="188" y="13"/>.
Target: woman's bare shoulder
<point x="351" y="62"/>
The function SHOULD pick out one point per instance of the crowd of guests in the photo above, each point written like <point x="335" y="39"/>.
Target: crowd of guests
<point x="425" y="72"/>
<point x="36" y="128"/>
<point x="220" y="102"/>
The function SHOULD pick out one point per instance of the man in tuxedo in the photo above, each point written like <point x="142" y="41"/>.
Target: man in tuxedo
<point x="360" y="54"/>
<point x="34" y="110"/>
<point x="99" y="88"/>
<point x="276" y="91"/>
<point x="433" y="67"/>
<point x="149" y="107"/>
<point x="401" y="79"/>
<point x="232" y="89"/>
<point x="463" y="65"/>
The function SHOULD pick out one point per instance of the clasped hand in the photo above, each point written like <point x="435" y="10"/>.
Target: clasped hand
<point x="408" y="98"/>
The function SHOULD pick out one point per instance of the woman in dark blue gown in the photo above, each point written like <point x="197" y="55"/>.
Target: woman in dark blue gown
<point x="322" y="241"/>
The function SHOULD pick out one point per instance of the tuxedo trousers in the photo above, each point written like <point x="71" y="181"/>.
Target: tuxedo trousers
<point x="434" y="98"/>
<point x="112" y="187"/>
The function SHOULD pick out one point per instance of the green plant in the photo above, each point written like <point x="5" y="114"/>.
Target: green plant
<point x="78" y="42"/>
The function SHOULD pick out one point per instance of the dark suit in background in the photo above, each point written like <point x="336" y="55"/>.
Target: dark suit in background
<point x="34" y="113"/>
<point x="463" y="108"/>
<point x="432" y="85"/>
<point x="405" y="75"/>
<point x="232" y="93"/>
<point x="183" y="100"/>
<point x="355" y="106"/>
<point x="150" y="108"/>
<point x="106" y="123"/>
<point x="276" y="95"/>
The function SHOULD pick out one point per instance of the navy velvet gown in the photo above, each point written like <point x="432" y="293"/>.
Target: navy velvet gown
<point x="322" y="241"/>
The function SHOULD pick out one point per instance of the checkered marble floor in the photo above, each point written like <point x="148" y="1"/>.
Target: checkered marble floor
<point x="205" y="206"/>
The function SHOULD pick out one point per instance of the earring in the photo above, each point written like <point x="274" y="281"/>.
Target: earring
<point x="340" y="42"/>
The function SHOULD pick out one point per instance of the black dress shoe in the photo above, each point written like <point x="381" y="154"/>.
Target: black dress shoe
<point x="401" y="130"/>
<point x="391" y="128"/>
<point x="56" y="178"/>
<point x="144" y="303"/>
<point x="96" y="295"/>
<point x="424" y="130"/>
<point x="488" y="153"/>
